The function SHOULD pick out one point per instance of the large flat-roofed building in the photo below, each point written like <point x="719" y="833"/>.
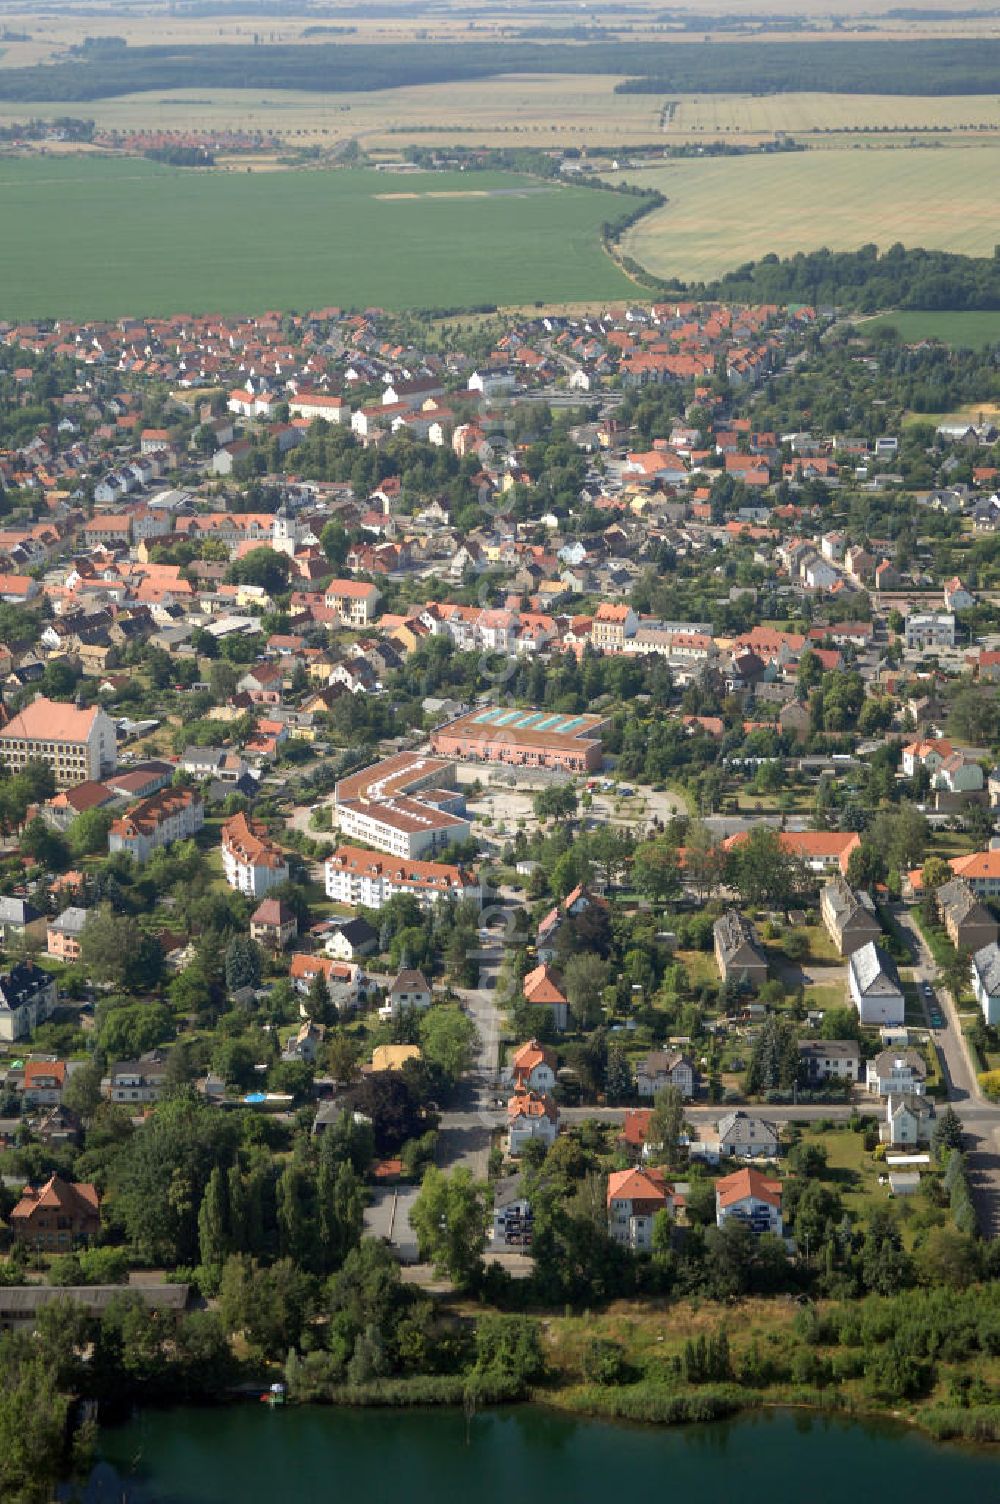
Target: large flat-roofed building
<point x="406" y="805"/>
<point x="76" y="744"/>
<point x="524" y="739"/>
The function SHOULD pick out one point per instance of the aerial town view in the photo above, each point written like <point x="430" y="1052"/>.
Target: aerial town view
<point x="499" y="751"/>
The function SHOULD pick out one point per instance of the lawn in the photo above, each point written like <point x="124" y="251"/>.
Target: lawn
<point x="973" y="329"/>
<point x="99" y="238"/>
<point x="700" y="966"/>
<point x="723" y="211"/>
<point x="851" y="1170"/>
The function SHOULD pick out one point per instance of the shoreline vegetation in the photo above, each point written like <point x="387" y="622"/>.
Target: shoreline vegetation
<point x="929" y="1358"/>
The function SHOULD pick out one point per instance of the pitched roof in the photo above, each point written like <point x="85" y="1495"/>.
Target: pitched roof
<point x="743" y="1185"/>
<point x="543" y="985"/>
<point x="528" y="1104"/>
<point x="635" y="1130"/>
<point x="530" y="1055"/>
<point x="637" y="1185"/>
<point x="873" y="971"/>
<point x="987" y="965"/>
<point x="72" y="1199"/>
<point x="48" y="720"/>
<point x="410" y="980"/>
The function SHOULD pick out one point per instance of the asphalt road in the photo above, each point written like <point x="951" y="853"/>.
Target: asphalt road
<point x="466" y="1128"/>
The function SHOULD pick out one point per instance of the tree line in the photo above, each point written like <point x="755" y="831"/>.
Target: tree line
<point x="863" y="281"/>
<point x="877" y="67"/>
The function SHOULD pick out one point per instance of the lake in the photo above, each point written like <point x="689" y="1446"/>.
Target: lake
<point x="527" y="1455"/>
<point x="524" y="1455"/>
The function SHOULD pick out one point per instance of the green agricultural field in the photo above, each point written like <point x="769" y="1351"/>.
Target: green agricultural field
<point x="96" y="238"/>
<point x="973" y="330"/>
<point x="723" y="211"/>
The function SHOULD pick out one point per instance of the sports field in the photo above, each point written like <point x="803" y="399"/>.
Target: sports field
<point x="723" y="211"/>
<point x="98" y="237"/>
<point x="973" y="330"/>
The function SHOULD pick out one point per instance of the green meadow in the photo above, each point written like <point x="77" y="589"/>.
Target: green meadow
<point x="970" y="329"/>
<point x="91" y="237"/>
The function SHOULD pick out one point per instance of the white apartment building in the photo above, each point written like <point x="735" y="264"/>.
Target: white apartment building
<point x="252" y="863"/>
<point x="354" y="602"/>
<point x="318" y="405"/>
<point x="366" y="879"/>
<point x="168" y="816"/>
<point x="929" y="629"/>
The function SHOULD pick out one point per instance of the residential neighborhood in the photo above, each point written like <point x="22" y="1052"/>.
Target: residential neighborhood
<point x="513" y="804"/>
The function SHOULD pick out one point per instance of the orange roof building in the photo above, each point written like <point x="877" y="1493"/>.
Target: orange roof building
<point x="751" y="1197"/>
<point x="542" y="988"/>
<point x="634" y="1199"/>
<point x="57" y="1216"/>
<point x="251" y="861"/>
<point x="76" y="744"/>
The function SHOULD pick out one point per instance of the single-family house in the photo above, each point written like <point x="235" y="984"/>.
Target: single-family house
<point x="529" y="1117"/>
<point x="907" y="1120"/>
<point x="874" y="986"/>
<point x="273" y="924"/>
<point x="634" y="1198"/>
<point x="350" y="938"/>
<point x="533" y="1068"/>
<point x="662" y="1068"/>
<point x="829" y="1060"/>
<point x="57" y="1216"/>
<point x="542" y="988"/>
<point x="411" y="990"/>
<point x="752" y="1198"/>
<point x="737" y="954"/>
<point x="62" y="935"/>
<point x="893" y="1071"/>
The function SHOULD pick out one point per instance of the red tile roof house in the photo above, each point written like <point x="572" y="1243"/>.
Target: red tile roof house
<point x="820" y="850"/>
<point x="634" y="1199"/>
<point x="43" y="1083"/>
<point x="751" y="1197"/>
<point x="530" y="1116"/>
<point x="542" y="988"/>
<point x="635" y="1132"/>
<point x="274" y="923"/>
<point x="57" y="1216"/>
<point x="533" y="1068"/>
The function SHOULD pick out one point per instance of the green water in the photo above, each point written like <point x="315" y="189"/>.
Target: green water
<point x="251" y="1455"/>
